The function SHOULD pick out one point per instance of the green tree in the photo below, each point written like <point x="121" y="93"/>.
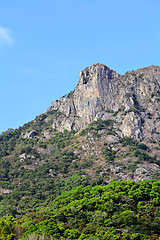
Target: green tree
<point x="7" y="229"/>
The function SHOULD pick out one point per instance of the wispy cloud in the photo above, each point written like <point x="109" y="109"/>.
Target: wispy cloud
<point x="5" y="36"/>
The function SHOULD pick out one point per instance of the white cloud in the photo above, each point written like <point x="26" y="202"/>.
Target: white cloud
<point x="5" y="36"/>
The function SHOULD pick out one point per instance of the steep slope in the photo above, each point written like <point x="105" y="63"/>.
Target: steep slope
<point x="107" y="128"/>
<point x="133" y="98"/>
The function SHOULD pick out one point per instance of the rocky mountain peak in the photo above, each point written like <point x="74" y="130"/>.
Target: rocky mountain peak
<point x="116" y="136"/>
<point x="98" y="71"/>
<point x="131" y="100"/>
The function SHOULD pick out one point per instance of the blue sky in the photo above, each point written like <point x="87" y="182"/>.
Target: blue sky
<point x="45" y="44"/>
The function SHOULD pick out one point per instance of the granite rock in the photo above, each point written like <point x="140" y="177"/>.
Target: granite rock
<point x="131" y="100"/>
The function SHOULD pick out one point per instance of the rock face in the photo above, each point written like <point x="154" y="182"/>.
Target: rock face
<point x="31" y="134"/>
<point x="132" y="100"/>
<point x="145" y="171"/>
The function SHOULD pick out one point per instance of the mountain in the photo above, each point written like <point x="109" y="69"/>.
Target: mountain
<point x="106" y="129"/>
<point x="131" y="100"/>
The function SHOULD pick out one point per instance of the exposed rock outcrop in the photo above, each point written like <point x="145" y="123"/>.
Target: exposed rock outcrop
<point x="132" y="100"/>
<point x="31" y="134"/>
<point x="146" y="171"/>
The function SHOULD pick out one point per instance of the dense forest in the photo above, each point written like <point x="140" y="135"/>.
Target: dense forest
<point x="120" y="210"/>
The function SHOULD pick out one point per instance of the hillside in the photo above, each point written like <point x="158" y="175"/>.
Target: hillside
<point x="106" y="129"/>
<point x="119" y="210"/>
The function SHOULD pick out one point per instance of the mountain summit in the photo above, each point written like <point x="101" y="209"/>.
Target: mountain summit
<point x="132" y="100"/>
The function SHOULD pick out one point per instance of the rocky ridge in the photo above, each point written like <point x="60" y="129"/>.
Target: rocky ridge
<point x="131" y="100"/>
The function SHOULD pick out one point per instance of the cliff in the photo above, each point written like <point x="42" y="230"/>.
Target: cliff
<point x="132" y="100"/>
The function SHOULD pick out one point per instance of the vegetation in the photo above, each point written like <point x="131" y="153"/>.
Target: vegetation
<point x="58" y="185"/>
<point x="38" y="177"/>
<point x="109" y="154"/>
<point x="120" y="210"/>
<point x="34" y="171"/>
<point x="99" y="125"/>
<point x="139" y="150"/>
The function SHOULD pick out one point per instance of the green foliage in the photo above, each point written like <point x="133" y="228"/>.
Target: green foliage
<point x="53" y="113"/>
<point x="54" y="169"/>
<point x="119" y="210"/>
<point x="29" y="150"/>
<point x="145" y="157"/>
<point x="133" y="143"/>
<point x="96" y="126"/>
<point x="7" y="229"/>
<point x="51" y="166"/>
<point x="109" y="154"/>
<point x="8" y="141"/>
<point x="140" y="150"/>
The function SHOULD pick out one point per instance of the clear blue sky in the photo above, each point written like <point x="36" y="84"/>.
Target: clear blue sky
<point x="45" y="43"/>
